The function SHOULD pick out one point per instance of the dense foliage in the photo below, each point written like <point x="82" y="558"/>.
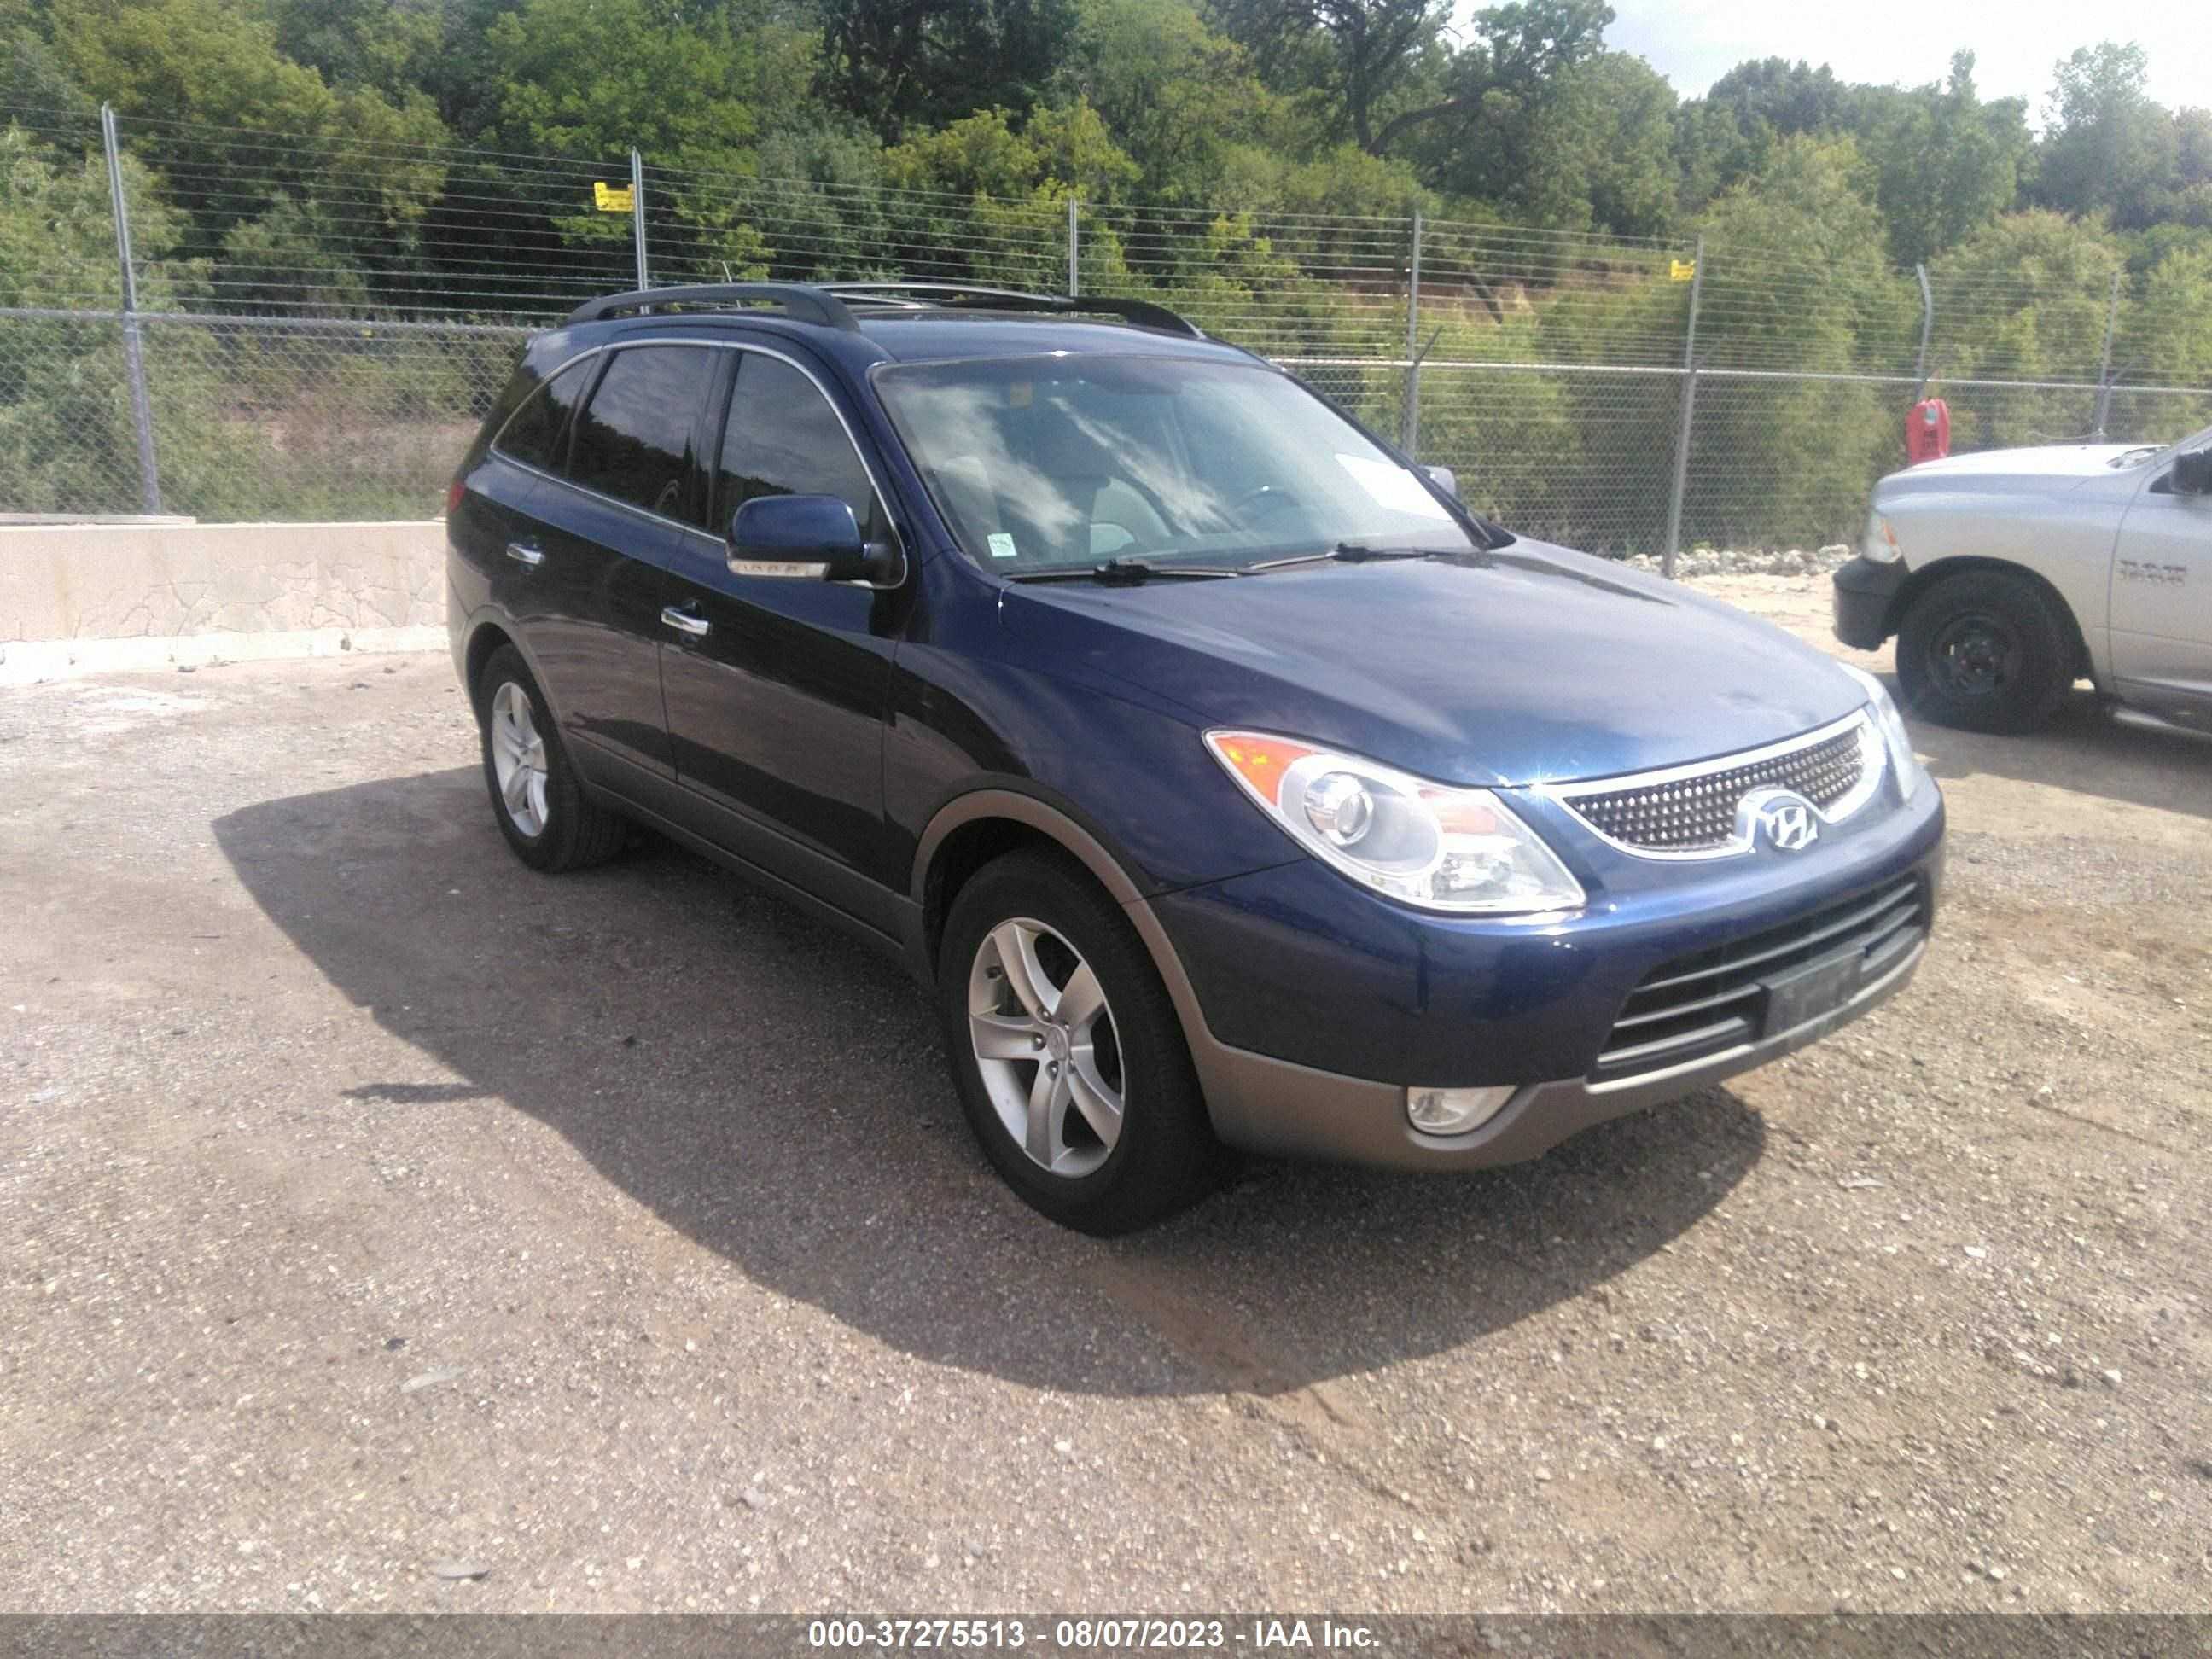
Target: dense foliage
<point x="387" y="158"/>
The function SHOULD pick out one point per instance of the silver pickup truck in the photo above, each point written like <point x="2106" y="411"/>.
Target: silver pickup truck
<point x="2007" y="574"/>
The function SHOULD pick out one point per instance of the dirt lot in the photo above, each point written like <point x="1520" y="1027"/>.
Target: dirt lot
<point x="370" y="1205"/>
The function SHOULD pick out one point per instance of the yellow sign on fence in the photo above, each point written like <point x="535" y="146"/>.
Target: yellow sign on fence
<point x="1681" y="270"/>
<point x="609" y="198"/>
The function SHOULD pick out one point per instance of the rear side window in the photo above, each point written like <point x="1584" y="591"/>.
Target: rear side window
<point x="533" y="435"/>
<point x="633" y="439"/>
<point x="784" y="438"/>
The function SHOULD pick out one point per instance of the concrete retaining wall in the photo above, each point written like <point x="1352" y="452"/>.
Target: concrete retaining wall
<point x="83" y="598"/>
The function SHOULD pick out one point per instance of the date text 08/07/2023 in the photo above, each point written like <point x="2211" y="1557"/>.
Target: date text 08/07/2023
<point x="1255" y="1634"/>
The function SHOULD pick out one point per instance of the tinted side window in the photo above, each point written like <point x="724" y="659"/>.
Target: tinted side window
<point x="633" y="439"/>
<point x="784" y="438"/>
<point x="538" y="426"/>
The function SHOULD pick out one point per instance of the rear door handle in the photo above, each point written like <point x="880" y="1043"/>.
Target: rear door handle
<point x="685" y="621"/>
<point x="523" y="554"/>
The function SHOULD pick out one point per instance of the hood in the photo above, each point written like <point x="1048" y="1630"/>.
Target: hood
<point x="1528" y="665"/>
<point x="2052" y="466"/>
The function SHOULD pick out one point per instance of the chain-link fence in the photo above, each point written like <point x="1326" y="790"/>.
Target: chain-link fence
<point x="245" y="326"/>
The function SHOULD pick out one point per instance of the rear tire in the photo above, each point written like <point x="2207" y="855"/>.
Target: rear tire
<point x="542" y="808"/>
<point x="1065" y="1049"/>
<point x="1984" y="652"/>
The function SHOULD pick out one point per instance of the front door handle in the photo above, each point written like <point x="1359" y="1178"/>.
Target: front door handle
<point x="685" y="621"/>
<point x="523" y="554"/>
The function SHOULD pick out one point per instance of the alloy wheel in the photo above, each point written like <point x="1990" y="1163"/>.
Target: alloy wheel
<point x="1046" y="1047"/>
<point x="517" y="758"/>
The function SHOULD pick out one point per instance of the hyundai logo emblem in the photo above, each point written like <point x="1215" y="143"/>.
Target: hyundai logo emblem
<point x="1779" y="818"/>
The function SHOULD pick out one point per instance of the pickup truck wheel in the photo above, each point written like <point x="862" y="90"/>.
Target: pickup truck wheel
<point x="1065" y="1049"/>
<point x="1985" y="652"/>
<point x="549" y="821"/>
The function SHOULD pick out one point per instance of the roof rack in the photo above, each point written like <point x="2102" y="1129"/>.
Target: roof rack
<point x="825" y="302"/>
<point x="803" y="301"/>
<point x="951" y="295"/>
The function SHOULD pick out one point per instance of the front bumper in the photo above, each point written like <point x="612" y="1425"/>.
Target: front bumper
<point x="1283" y="1109"/>
<point x="1864" y="592"/>
<point x="1310" y="1006"/>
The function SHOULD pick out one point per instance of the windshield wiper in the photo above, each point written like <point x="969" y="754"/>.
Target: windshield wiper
<point x="1122" y="573"/>
<point x="1359" y="553"/>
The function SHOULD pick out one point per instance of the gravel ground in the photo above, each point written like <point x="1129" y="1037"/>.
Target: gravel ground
<point x="376" y="1213"/>
<point x="1701" y="562"/>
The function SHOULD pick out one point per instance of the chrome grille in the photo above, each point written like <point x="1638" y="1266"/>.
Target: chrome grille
<point x="1695" y="811"/>
<point x="1719" y="999"/>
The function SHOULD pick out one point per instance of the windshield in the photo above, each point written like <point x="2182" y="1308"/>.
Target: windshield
<point x="1064" y="461"/>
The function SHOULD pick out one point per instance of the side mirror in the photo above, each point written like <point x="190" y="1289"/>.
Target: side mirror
<point x="810" y="537"/>
<point x="1445" y="477"/>
<point x="2192" y="473"/>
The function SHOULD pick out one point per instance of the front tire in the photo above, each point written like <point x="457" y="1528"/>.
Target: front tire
<point x="542" y="809"/>
<point x="1066" y="1052"/>
<point x="1984" y="652"/>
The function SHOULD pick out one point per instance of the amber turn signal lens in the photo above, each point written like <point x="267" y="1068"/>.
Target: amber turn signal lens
<point x="1261" y="760"/>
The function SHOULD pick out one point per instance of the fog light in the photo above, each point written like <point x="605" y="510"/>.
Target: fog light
<point x="1453" y="1111"/>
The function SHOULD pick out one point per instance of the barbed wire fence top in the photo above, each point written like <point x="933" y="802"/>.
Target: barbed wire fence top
<point x="235" y="324"/>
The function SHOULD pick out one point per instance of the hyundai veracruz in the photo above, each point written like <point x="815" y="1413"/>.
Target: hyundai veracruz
<point x="1224" y="779"/>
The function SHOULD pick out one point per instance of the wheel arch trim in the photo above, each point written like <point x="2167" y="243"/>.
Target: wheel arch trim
<point x="1213" y="1060"/>
<point x="488" y="619"/>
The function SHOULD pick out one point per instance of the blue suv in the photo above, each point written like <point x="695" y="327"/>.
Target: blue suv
<point x="1222" y="777"/>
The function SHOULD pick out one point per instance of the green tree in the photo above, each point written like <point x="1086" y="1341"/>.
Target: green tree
<point x="33" y="76"/>
<point x="2109" y="147"/>
<point x="1595" y="149"/>
<point x="2024" y="298"/>
<point x="1795" y="280"/>
<point x="1361" y="60"/>
<point x="1947" y="163"/>
<point x="594" y="78"/>
<point x="591" y="79"/>
<point x="902" y="65"/>
<point x="1504" y="91"/>
<point x="235" y="124"/>
<point x="391" y="46"/>
<point x="295" y="255"/>
<point x="2165" y="334"/>
<point x="66" y="443"/>
<point x="1175" y="95"/>
<point x="2189" y="202"/>
<point x="1788" y="100"/>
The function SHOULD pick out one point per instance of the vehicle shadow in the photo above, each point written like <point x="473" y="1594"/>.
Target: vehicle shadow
<point x="776" y="1093"/>
<point x="2084" y="750"/>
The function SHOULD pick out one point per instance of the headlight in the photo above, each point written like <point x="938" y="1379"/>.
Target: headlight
<point x="1878" y="542"/>
<point x="1902" y="761"/>
<point x="1429" y="844"/>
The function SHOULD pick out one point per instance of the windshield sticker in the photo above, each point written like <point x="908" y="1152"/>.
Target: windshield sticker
<point x="1002" y="544"/>
<point x="1393" y="486"/>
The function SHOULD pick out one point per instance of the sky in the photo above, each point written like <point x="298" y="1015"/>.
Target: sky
<point x="2014" y="42"/>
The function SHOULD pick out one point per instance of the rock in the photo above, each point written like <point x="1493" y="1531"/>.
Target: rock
<point x="457" y="1570"/>
<point x="753" y="1498"/>
<point x="2111" y="1379"/>
<point x="431" y="1379"/>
